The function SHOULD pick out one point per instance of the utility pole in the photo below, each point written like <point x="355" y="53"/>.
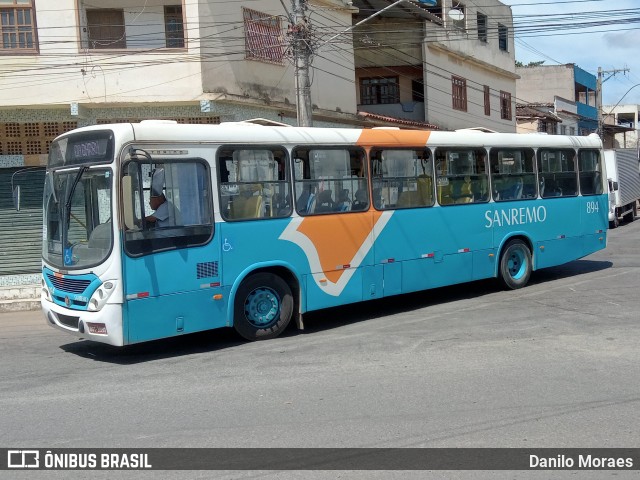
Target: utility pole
<point x="301" y="40"/>
<point x="599" y="83"/>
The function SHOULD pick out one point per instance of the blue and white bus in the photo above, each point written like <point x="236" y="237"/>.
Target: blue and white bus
<point x="261" y="224"/>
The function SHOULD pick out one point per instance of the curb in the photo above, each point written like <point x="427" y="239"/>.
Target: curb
<point x="19" y="298"/>
<point x="19" y="305"/>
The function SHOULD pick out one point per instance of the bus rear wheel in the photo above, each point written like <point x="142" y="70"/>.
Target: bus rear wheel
<point x="263" y="307"/>
<point x="515" y="265"/>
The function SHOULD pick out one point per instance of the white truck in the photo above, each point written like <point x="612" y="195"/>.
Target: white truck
<point x="623" y="174"/>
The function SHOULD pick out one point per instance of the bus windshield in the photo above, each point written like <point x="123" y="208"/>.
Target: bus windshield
<point x="77" y="230"/>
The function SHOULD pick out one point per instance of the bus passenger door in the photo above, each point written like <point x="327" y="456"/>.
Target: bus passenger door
<point x="170" y="265"/>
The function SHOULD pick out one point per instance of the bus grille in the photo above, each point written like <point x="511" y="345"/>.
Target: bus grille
<point x="71" y="322"/>
<point x="207" y="269"/>
<point x="69" y="284"/>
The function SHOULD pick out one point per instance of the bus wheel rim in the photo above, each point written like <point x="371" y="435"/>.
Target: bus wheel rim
<point x="262" y="307"/>
<point x="516" y="264"/>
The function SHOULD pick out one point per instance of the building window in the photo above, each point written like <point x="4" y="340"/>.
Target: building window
<point x="505" y="105"/>
<point x="263" y="36"/>
<point x="459" y="93"/>
<point x="503" y="37"/>
<point x="563" y="129"/>
<point x="417" y="90"/>
<point x="375" y="91"/>
<point x="458" y="16"/>
<point x="487" y="100"/>
<point x="482" y="27"/>
<point x="173" y="26"/>
<point x="106" y="28"/>
<point x="17" y="25"/>
<point x="543" y="126"/>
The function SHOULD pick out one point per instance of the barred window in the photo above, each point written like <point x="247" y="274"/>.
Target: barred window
<point x="505" y="105"/>
<point x="17" y="26"/>
<point x="173" y="26"/>
<point x="106" y="28"/>
<point x="482" y="27"/>
<point x="503" y="37"/>
<point x="376" y="91"/>
<point x="487" y="100"/>
<point x="263" y="36"/>
<point x="459" y="93"/>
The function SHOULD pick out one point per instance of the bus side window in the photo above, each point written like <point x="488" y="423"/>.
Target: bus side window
<point x="461" y="175"/>
<point x="329" y="180"/>
<point x="181" y="193"/>
<point x="513" y="175"/>
<point x="402" y="178"/>
<point x="590" y="171"/>
<point x="557" y="173"/>
<point x="253" y="183"/>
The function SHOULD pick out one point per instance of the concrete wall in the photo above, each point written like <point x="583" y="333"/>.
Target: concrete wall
<point x="226" y="71"/>
<point x="213" y="63"/>
<point x="64" y="73"/>
<point x="541" y="84"/>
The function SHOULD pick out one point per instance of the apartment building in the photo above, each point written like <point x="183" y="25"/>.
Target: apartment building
<point x="570" y="93"/>
<point x="451" y="65"/>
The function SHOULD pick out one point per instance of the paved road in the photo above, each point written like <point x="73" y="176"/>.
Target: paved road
<point x="551" y="365"/>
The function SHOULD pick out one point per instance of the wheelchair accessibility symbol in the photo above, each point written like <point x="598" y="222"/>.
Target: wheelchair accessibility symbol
<point x="226" y="246"/>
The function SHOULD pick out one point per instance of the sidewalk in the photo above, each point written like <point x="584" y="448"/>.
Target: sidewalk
<point x="19" y="298"/>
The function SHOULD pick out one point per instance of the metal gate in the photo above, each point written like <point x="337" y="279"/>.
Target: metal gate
<point x="21" y="232"/>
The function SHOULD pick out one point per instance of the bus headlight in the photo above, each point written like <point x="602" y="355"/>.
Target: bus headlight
<point x="46" y="294"/>
<point x="101" y="295"/>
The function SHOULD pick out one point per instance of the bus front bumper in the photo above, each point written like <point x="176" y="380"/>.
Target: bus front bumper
<point x="104" y="326"/>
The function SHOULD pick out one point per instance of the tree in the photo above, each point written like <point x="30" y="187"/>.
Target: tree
<point x="530" y="64"/>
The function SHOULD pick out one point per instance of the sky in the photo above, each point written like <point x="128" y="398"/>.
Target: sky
<point x="612" y="45"/>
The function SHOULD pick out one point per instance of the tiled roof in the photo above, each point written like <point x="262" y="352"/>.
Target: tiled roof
<point x="399" y="121"/>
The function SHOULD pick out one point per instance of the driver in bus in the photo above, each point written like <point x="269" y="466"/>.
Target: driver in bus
<point x="158" y="202"/>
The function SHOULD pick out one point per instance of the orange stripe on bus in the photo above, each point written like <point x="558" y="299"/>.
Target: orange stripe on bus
<point x="338" y="238"/>
<point x="393" y="138"/>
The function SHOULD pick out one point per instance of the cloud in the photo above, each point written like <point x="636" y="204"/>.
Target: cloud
<point x="628" y="40"/>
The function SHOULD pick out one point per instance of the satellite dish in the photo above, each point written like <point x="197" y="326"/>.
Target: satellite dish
<point x="456" y="15"/>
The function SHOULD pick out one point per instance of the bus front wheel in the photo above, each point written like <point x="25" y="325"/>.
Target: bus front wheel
<point x="515" y="264"/>
<point x="263" y="307"/>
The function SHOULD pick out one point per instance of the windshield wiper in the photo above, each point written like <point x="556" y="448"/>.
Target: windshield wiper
<point x="67" y="217"/>
<point x="67" y="206"/>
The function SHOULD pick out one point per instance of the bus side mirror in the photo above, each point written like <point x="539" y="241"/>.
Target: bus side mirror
<point x="16" y="197"/>
<point x="127" y="203"/>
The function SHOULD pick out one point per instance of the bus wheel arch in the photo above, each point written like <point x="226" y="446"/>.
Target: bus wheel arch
<point x="516" y="263"/>
<point x="264" y="304"/>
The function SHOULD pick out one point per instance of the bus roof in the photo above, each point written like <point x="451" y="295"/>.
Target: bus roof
<point x="250" y="133"/>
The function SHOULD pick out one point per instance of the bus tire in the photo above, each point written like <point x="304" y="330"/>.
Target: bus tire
<point x="515" y="264"/>
<point x="263" y="307"/>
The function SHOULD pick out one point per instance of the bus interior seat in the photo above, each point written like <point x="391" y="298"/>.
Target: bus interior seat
<point x="248" y="204"/>
<point x="324" y="202"/>
<point x="361" y="201"/>
<point x="466" y="191"/>
<point x="444" y="194"/>
<point x="343" y="202"/>
<point x="425" y="189"/>
<point x="408" y="198"/>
